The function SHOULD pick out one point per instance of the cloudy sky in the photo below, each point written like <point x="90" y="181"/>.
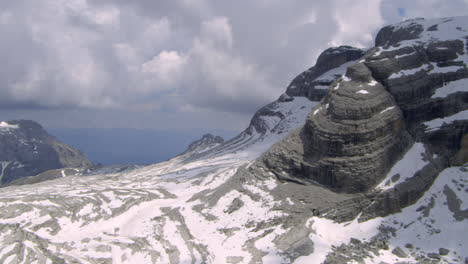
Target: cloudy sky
<point x="174" y="64"/>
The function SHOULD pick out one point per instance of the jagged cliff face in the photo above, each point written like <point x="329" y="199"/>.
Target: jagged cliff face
<point x="330" y="65"/>
<point x="27" y="150"/>
<point x="422" y="63"/>
<point x="355" y="136"/>
<point x="357" y="175"/>
<point x="401" y="91"/>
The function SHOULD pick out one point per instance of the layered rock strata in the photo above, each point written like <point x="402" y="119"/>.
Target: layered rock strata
<point x="412" y="87"/>
<point x="351" y="139"/>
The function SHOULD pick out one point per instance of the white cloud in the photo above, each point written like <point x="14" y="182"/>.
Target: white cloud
<point x="217" y="32"/>
<point x="423" y="8"/>
<point x="181" y="55"/>
<point x="358" y="29"/>
<point x="154" y="34"/>
<point x="164" y="69"/>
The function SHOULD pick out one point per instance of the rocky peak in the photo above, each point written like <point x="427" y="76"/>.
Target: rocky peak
<point x="334" y="57"/>
<point x="423" y="64"/>
<point x="26" y="149"/>
<point x="410" y="88"/>
<point x="314" y="82"/>
<point x="207" y="142"/>
<point x="27" y="128"/>
<point x="349" y="141"/>
<point x="392" y="34"/>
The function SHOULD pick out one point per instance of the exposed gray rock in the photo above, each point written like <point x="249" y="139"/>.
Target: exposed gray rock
<point x="46" y="176"/>
<point x="207" y="141"/>
<point x="295" y="243"/>
<point x="236" y="205"/>
<point x="454" y="205"/>
<point x="443" y="251"/>
<point x="403" y="194"/>
<point x="428" y="64"/>
<point x="413" y="72"/>
<point x="371" y="116"/>
<point x="399" y="252"/>
<point x="26" y="149"/>
<point x="392" y="34"/>
<point x="350" y="141"/>
<point x="307" y="85"/>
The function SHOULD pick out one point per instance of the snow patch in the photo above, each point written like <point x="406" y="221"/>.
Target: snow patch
<point x="4" y="166"/>
<point x="408" y="72"/>
<point x="412" y="162"/>
<point x="362" y="92"/>
<point x="5" y="125"/>
<point x="439" y="122"/>
<point x="328" y="234"/>
<point x="387" y="109"/>
<point x="447" y="69"/>
<point x="332" y="74"/>
<point x="451" y="88"/>
<point x="317" y="110"/>
<point x="337" y="86"/>
<point x="321" y="87"/>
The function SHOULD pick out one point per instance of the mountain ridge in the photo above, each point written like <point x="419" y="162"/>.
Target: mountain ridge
<point x="27" y="150"/>
<point x="257" y="199"/>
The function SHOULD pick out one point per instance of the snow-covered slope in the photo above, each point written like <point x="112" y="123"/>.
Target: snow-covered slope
<point x="221" y="206"/>
<point x="268" y="126"/>
<point x="202" y="212"/>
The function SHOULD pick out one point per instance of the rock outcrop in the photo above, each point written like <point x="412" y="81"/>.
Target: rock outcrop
<point x="26" y="149"/>
<point x="422" y="63"/>
<point x="314" y="82"/>
<point x="412" y="87"/>
<point x="352" y="139"/>
<point x="207" y="142"/>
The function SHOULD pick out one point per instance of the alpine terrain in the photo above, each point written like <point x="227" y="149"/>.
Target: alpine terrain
<point x="26" y="149"/>
<point x="362" y="160"/>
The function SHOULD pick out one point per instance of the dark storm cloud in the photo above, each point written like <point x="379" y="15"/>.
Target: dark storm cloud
<point x="175" y="58"/>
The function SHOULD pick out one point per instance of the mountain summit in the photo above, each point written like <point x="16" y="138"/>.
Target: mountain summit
<point x="26" y="149"/>
<point x="362" y="160"/>
<point x="208" y="141"/>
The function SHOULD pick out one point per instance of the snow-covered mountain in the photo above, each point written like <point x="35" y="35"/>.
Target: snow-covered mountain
<point x="26" y="149"/>
<point x="372" y="171"/>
